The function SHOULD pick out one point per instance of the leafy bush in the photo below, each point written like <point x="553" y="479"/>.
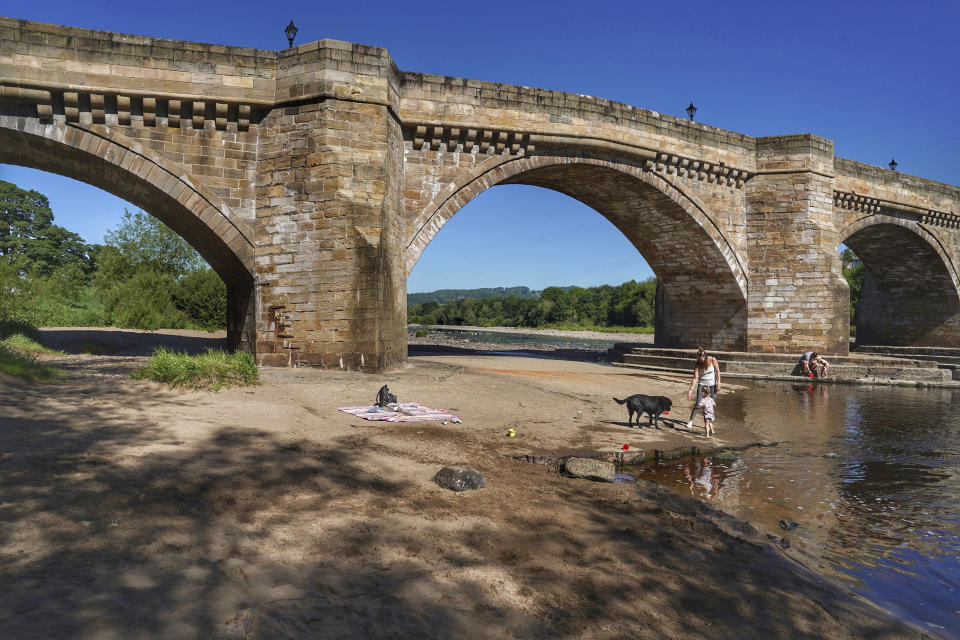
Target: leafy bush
<point x="212" y="370"/>
<point x="50" y="311"/>
<point x="421" y="333"/>
<point x="202" y="295"/>
<point x="143" y="301"/>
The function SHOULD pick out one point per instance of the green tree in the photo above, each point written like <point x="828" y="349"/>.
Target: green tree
<point x="148" y="277"/>
<point x="854" y="276"/>
<point x="144" y="241"/>
<point x="30" y="241"/>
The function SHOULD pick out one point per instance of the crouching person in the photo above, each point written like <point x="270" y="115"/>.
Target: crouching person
<point x="810" y="361"/>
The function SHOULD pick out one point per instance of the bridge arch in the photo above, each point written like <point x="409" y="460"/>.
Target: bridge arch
<point x="911" y="293"/>
<point x="125" y="168"/>
<point x="704" y="282"/>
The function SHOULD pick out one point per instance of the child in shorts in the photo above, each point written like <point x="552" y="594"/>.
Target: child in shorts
<point x="708" y="404"/>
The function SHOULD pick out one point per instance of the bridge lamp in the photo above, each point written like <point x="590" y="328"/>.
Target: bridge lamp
<point x="291" y="32"/>
<point x="691" y="110"/>
<point x="893" y="165"/>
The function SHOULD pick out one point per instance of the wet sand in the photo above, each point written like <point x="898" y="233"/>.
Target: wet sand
<point x="133" y="511"/>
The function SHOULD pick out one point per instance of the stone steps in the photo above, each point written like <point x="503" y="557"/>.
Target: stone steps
<point x="948" y="352"/>
<point x="752" y="356"/>
<point x="945" y="357"/>
<point x="784" y="366"/>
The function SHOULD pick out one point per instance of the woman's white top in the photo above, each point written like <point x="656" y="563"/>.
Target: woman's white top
<point x="708" y="377"/>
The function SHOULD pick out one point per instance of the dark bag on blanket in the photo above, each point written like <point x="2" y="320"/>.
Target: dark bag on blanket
<point x="384" y="397"/>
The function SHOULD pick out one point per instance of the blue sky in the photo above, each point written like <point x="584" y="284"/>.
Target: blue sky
<point x="880" y="79"/>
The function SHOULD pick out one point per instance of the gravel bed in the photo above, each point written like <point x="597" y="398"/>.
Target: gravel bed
<point x="454" y="339"/>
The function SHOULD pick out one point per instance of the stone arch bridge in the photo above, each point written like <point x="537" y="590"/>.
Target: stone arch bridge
<point x="312" y="179"/>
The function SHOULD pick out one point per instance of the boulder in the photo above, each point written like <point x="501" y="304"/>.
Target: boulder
<point x="590" y="469"/>
<point x="788" y="525"/>
<point x="463" y="479"/>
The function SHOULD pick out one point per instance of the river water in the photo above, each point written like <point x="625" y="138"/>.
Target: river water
<point x="870" y="476"/>
<point x="867" y="482"/>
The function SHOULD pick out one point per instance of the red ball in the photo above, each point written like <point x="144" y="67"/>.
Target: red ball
<point x="625" y="447"/>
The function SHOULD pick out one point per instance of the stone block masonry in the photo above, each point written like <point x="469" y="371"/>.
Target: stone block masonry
<point x="313" y="178"/>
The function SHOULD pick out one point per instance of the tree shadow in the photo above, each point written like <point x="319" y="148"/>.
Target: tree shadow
<point x="111" y="527"/>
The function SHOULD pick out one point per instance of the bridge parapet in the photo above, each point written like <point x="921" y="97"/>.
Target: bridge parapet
<point x="864" y="187"/>
<point x="553" y="117"/>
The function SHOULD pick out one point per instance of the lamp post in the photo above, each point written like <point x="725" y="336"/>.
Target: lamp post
<point x="291" y="32"/>
<point x="893" y="165"/>
<point x="691" y="110"/>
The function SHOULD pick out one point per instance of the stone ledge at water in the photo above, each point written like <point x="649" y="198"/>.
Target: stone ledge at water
<point x="463" y="479"/>
<point x="589" y="469"/>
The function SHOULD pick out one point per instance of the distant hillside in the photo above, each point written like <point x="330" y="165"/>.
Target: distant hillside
<point x="445" y="295"/>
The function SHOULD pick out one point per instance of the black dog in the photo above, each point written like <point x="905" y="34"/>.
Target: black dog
<point x="653" y="406"/>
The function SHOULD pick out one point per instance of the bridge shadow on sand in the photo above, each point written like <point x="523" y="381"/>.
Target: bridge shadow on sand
<point x="129" y="342"/>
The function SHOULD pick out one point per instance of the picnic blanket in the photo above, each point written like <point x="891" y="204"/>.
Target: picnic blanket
<point x="400" y="412"/>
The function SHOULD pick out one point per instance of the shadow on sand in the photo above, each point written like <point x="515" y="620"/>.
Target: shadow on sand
<point x="111" y="527"/>
<point x="127" y="342"/>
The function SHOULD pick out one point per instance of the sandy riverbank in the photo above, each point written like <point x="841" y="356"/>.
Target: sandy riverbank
<point x="133" y="511"/>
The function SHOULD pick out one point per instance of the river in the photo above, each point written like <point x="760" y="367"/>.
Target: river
<point x="866" y="485"/>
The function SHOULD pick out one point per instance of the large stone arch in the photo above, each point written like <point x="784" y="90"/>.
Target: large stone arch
<point x="704" y="282"/>
<point x="123" y="167"/>
<point x="911" y="291"/>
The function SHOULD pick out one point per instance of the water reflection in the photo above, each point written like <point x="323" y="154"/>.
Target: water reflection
<point x="870" y="474"/>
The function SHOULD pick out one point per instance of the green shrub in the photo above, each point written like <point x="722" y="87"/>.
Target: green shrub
<point x="53" y="312"/>
<point x="144" y="301"/>
<point x="212" y="370"/>
<point x="421" y="333"/>
<point x="202" y="295"/>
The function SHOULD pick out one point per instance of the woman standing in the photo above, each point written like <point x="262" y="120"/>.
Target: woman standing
<point x="706" y="373"/>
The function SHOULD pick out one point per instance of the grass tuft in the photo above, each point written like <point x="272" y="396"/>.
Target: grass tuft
<point x="24" y="364"/>
<point x="13" y="327"/>
<point x="20" y="344"/>
<point x="212" y="370"/>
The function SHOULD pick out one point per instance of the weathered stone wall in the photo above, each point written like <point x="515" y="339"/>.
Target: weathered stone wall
<point x="313" y="178"/>
<point x="193" y="103"/>
<point x="329" y="228"/>
<point x="798" y="297"/>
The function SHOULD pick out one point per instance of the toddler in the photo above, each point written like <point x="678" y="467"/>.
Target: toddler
<point x="708" y="404"/>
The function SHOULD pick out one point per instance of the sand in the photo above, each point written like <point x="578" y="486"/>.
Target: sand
<point x="129" y="510"/>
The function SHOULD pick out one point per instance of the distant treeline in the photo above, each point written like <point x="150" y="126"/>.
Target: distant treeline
<point x="446" y="295"/>
<point x="630" y="304"/>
